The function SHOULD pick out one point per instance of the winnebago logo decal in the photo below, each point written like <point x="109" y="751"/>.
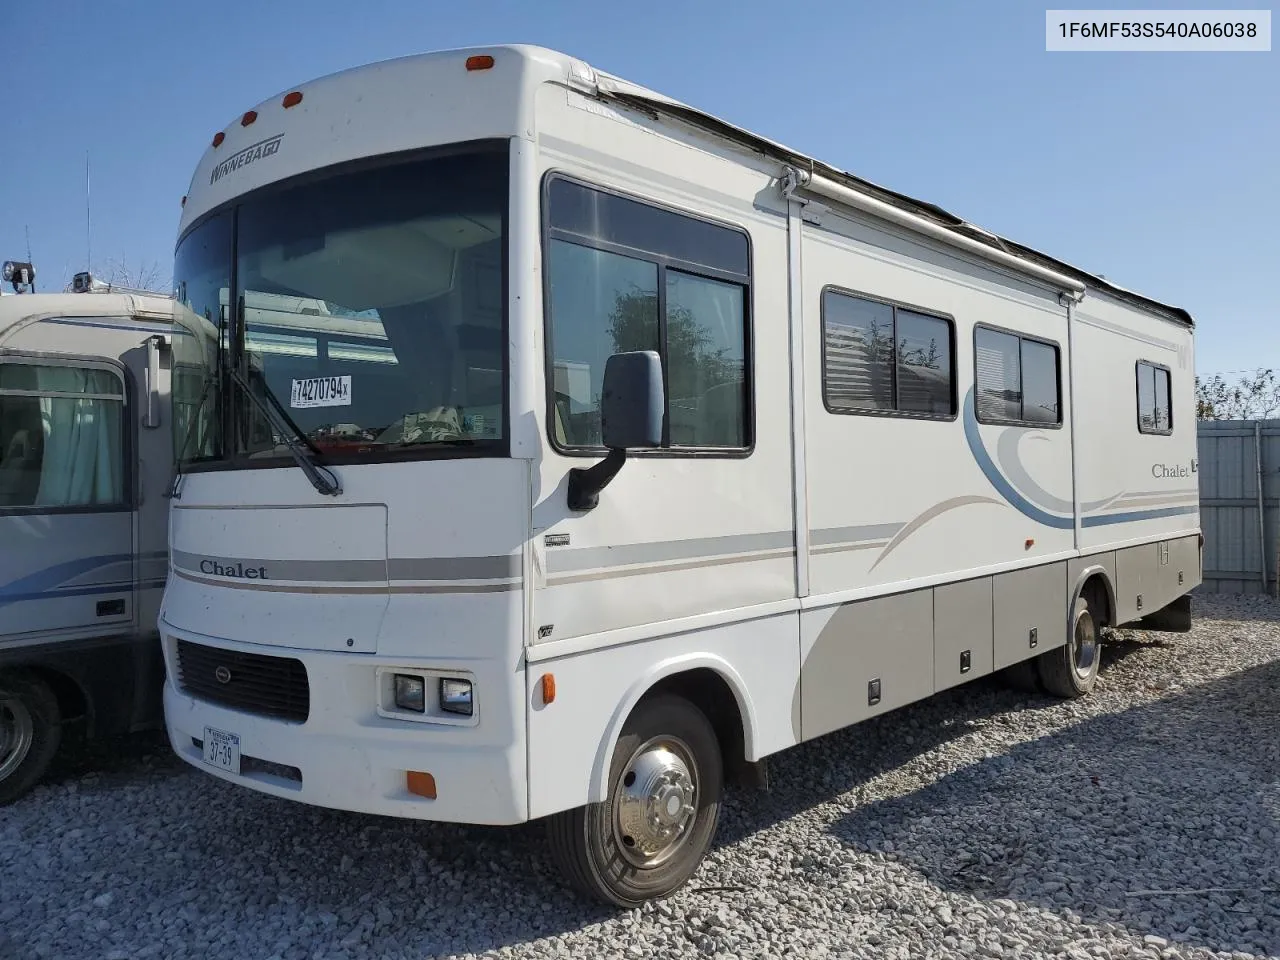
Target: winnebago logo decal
<point x="255" y="151"/>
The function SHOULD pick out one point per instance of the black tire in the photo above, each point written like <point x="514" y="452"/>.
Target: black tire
<point x="587" y="843"/>
<point x="1070" y="671"/>
<point x="1023" y="676"/>
<point x="30" y="730"/>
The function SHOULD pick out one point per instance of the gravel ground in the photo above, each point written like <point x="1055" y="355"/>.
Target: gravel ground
<point x="980" y="823"/>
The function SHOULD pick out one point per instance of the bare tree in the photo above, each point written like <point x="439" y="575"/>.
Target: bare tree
<point x="142" y="275"/>
<point x="1255" y="396"/>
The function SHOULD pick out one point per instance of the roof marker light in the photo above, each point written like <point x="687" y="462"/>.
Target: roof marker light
<point x="480" y="62"/>
<point x="218" y="138"/>
<point x="184" y="200"/>
<point x="248" y="118"/>
<point x="292" y="99"/>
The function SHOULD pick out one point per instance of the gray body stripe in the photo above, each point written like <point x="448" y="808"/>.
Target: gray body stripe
<point x="1153" y="501"/>
<point x="366" y="571"/>
<point x="630" y="554"/>
<point x="873" y="531"/>
<point x="349" y="590"/>
<point x="669" y="567"/>
<point x="455" y="568"/>
<point x="849" y="547"/>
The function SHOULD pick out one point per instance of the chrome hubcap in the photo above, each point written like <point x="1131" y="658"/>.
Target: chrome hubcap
<point x="16" y="733"/>
<point x="1086" y="644"/>
<point x="654" y="804"/>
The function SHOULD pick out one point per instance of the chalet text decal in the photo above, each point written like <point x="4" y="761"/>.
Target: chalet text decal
<point x="1171" y="471"/>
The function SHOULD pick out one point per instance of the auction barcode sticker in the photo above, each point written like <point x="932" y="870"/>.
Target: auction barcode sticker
<point x="321" y="392"/>
<point x="1117" y="31"/>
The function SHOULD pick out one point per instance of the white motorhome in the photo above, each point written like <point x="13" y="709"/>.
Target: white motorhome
<point x="85" y="456"/>
<point x="628" y="449"/>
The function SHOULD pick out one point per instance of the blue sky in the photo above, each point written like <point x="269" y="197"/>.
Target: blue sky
<point x="1161" y="171"/>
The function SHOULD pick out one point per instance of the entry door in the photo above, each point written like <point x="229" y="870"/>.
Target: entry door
<point x="66" y="500"/>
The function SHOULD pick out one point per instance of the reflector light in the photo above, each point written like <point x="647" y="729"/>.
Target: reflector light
<point x="420" y="783"/>
<point x="218" y="138"/>
<point x="292" y="99"/>
<point x="548" y="687"/>
<point x="481" y="62"/>
<point x="248" y="118"/>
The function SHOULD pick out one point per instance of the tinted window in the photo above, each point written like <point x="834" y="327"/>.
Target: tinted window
<point x="600" y="217"/>
<point x="372" y="304"/>
<point x="858" y="336"/>
<point x="924" y="364"/>
<point x="878" y="357"/>
<point x="1154" y="406"/>
<point x="61" y="436"/>
<point x="1039" y="382"/>
<point x="1016" y="379"/>
<point x="602" y="303"/>
<point x="624" y="276"/>
<point x="998" y="376"/>
<point x="202" y="279"/>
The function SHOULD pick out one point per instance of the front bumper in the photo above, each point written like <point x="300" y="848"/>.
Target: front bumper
<point x="348" y="757"/>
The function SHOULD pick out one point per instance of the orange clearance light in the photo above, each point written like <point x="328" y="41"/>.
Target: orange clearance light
<point x="1030" y="543"/>
<point x="248" y="118"/>
<point x="218" y="138"/>
<point x="423" y="784"/>
<point x="292" y="99"/>
<point x="481" y="62"/>
<point x="548" y="688"/>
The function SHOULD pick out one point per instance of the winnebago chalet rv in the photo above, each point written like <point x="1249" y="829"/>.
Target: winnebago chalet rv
<point x="628" y="449"/>
<point x="85" y="456"/>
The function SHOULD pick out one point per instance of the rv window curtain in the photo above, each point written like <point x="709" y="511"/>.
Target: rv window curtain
<point x="78" y="453"/>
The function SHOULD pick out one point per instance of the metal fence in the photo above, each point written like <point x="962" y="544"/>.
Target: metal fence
<point x="1239" y="471"/>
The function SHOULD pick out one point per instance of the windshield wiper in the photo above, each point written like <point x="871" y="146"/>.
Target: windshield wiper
<point x="300" y="447"/>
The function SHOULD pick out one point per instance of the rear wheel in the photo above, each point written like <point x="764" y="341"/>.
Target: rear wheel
<point x="649" y="835"/>
<point x="1072" y="670"/>
<point x="30" y="729"/>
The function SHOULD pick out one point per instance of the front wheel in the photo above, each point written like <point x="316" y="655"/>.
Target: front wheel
<point x="30" y="728"/>
<point x="649" y="835"/>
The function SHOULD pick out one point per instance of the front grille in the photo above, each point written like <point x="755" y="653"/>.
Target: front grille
<point x="269" y="686"/>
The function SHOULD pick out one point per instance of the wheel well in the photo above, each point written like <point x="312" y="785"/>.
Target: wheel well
<point x="711" y="693"/>
<point x="72" y="702"/>
<point x="1098" y="594"/>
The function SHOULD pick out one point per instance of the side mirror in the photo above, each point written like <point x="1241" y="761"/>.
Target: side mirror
<point x="631" y="412"/>
<point x="631" y="403"/>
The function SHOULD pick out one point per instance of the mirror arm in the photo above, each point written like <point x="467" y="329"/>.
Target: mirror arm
<point x="586" y="483"/>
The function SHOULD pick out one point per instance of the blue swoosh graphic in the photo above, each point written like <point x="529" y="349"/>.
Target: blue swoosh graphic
<point x="1101" y="520"/>
<point x="43" y="584"/>
<point x="997" y="479"/>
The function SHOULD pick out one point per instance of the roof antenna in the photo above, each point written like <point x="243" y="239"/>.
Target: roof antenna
<point x="27" y="227"/>
<point x="88" y="225"/>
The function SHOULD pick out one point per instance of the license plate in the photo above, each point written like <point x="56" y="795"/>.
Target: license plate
<point x="222" y="750"/>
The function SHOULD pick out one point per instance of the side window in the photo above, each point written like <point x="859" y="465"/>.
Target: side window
<point x="879" y="358"/>
<point x="623" y="275"/>
<point x="61" y="436"/>
<point x="1155" y="411"/>
<point x="1017" y="380"/>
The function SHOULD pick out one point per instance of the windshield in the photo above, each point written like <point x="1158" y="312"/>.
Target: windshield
<point x="369" y="304"/>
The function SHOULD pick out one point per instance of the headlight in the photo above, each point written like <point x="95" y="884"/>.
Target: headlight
<point x="455" y="696"/>
<point x="411" y="693"/>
